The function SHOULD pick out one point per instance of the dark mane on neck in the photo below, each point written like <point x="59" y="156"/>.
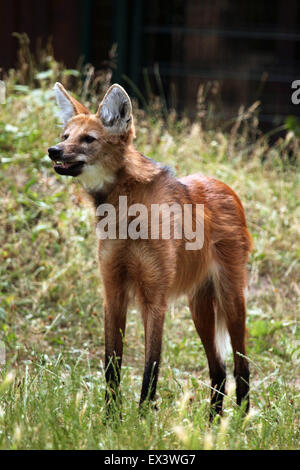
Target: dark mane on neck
<point x="98" y="197"/>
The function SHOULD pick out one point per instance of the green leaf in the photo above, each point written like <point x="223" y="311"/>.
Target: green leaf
<point x="44" y="75"/>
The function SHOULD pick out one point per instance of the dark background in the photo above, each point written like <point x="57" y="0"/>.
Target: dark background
<point x="251" y="47"/>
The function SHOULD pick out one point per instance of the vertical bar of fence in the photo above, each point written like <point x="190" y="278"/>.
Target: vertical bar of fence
<point x="120" y="35"/>
<point x="86" y="10"/>
<point x="136" y="42"/>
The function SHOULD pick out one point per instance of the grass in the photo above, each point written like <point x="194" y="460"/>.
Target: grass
<point x="51" y="322"/>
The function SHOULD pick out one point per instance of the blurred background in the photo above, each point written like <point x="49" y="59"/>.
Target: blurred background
<point x="246" y="50"/>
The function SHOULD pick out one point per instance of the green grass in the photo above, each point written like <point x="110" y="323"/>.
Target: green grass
<point x="51" y="320"/>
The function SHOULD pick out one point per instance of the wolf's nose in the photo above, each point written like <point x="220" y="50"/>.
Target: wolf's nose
<point x="55" y="152"/>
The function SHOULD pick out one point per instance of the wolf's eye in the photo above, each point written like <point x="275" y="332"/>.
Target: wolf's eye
<point x="88" y="139"/>
<point x="65" y="137"/>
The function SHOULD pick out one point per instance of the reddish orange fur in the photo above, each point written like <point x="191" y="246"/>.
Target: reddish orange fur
<point x="154" y="271"/>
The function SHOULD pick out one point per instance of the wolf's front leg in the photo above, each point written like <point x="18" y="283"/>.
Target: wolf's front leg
<point x="115" y="321"/>
<point x="153" y="317"/>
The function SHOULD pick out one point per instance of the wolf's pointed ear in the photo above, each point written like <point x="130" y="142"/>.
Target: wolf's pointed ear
<point x="68" y="106"/>
<point x="115" y="111"/>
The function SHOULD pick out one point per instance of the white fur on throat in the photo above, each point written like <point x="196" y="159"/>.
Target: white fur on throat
<point x="94" y="177"/>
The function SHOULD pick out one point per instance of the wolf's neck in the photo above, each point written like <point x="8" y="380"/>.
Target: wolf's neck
<point x="139" y="168"/>
<point x="101" y="184"/>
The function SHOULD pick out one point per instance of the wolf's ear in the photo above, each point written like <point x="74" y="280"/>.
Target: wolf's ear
<point x="68" y="106"/>
<point x="115" y="111"/>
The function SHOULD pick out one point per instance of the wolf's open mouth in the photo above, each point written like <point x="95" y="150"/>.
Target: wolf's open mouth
<point x="66" y="165"/>
<point x="68" y="168"/>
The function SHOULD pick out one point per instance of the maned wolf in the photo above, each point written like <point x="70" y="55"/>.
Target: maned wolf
<point x="98" y="149"/>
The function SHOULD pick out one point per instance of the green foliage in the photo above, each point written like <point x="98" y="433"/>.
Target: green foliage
<point x="293" y="124"/>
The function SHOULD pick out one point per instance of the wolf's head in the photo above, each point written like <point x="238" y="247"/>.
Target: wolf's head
<point x="93" y="145"/>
